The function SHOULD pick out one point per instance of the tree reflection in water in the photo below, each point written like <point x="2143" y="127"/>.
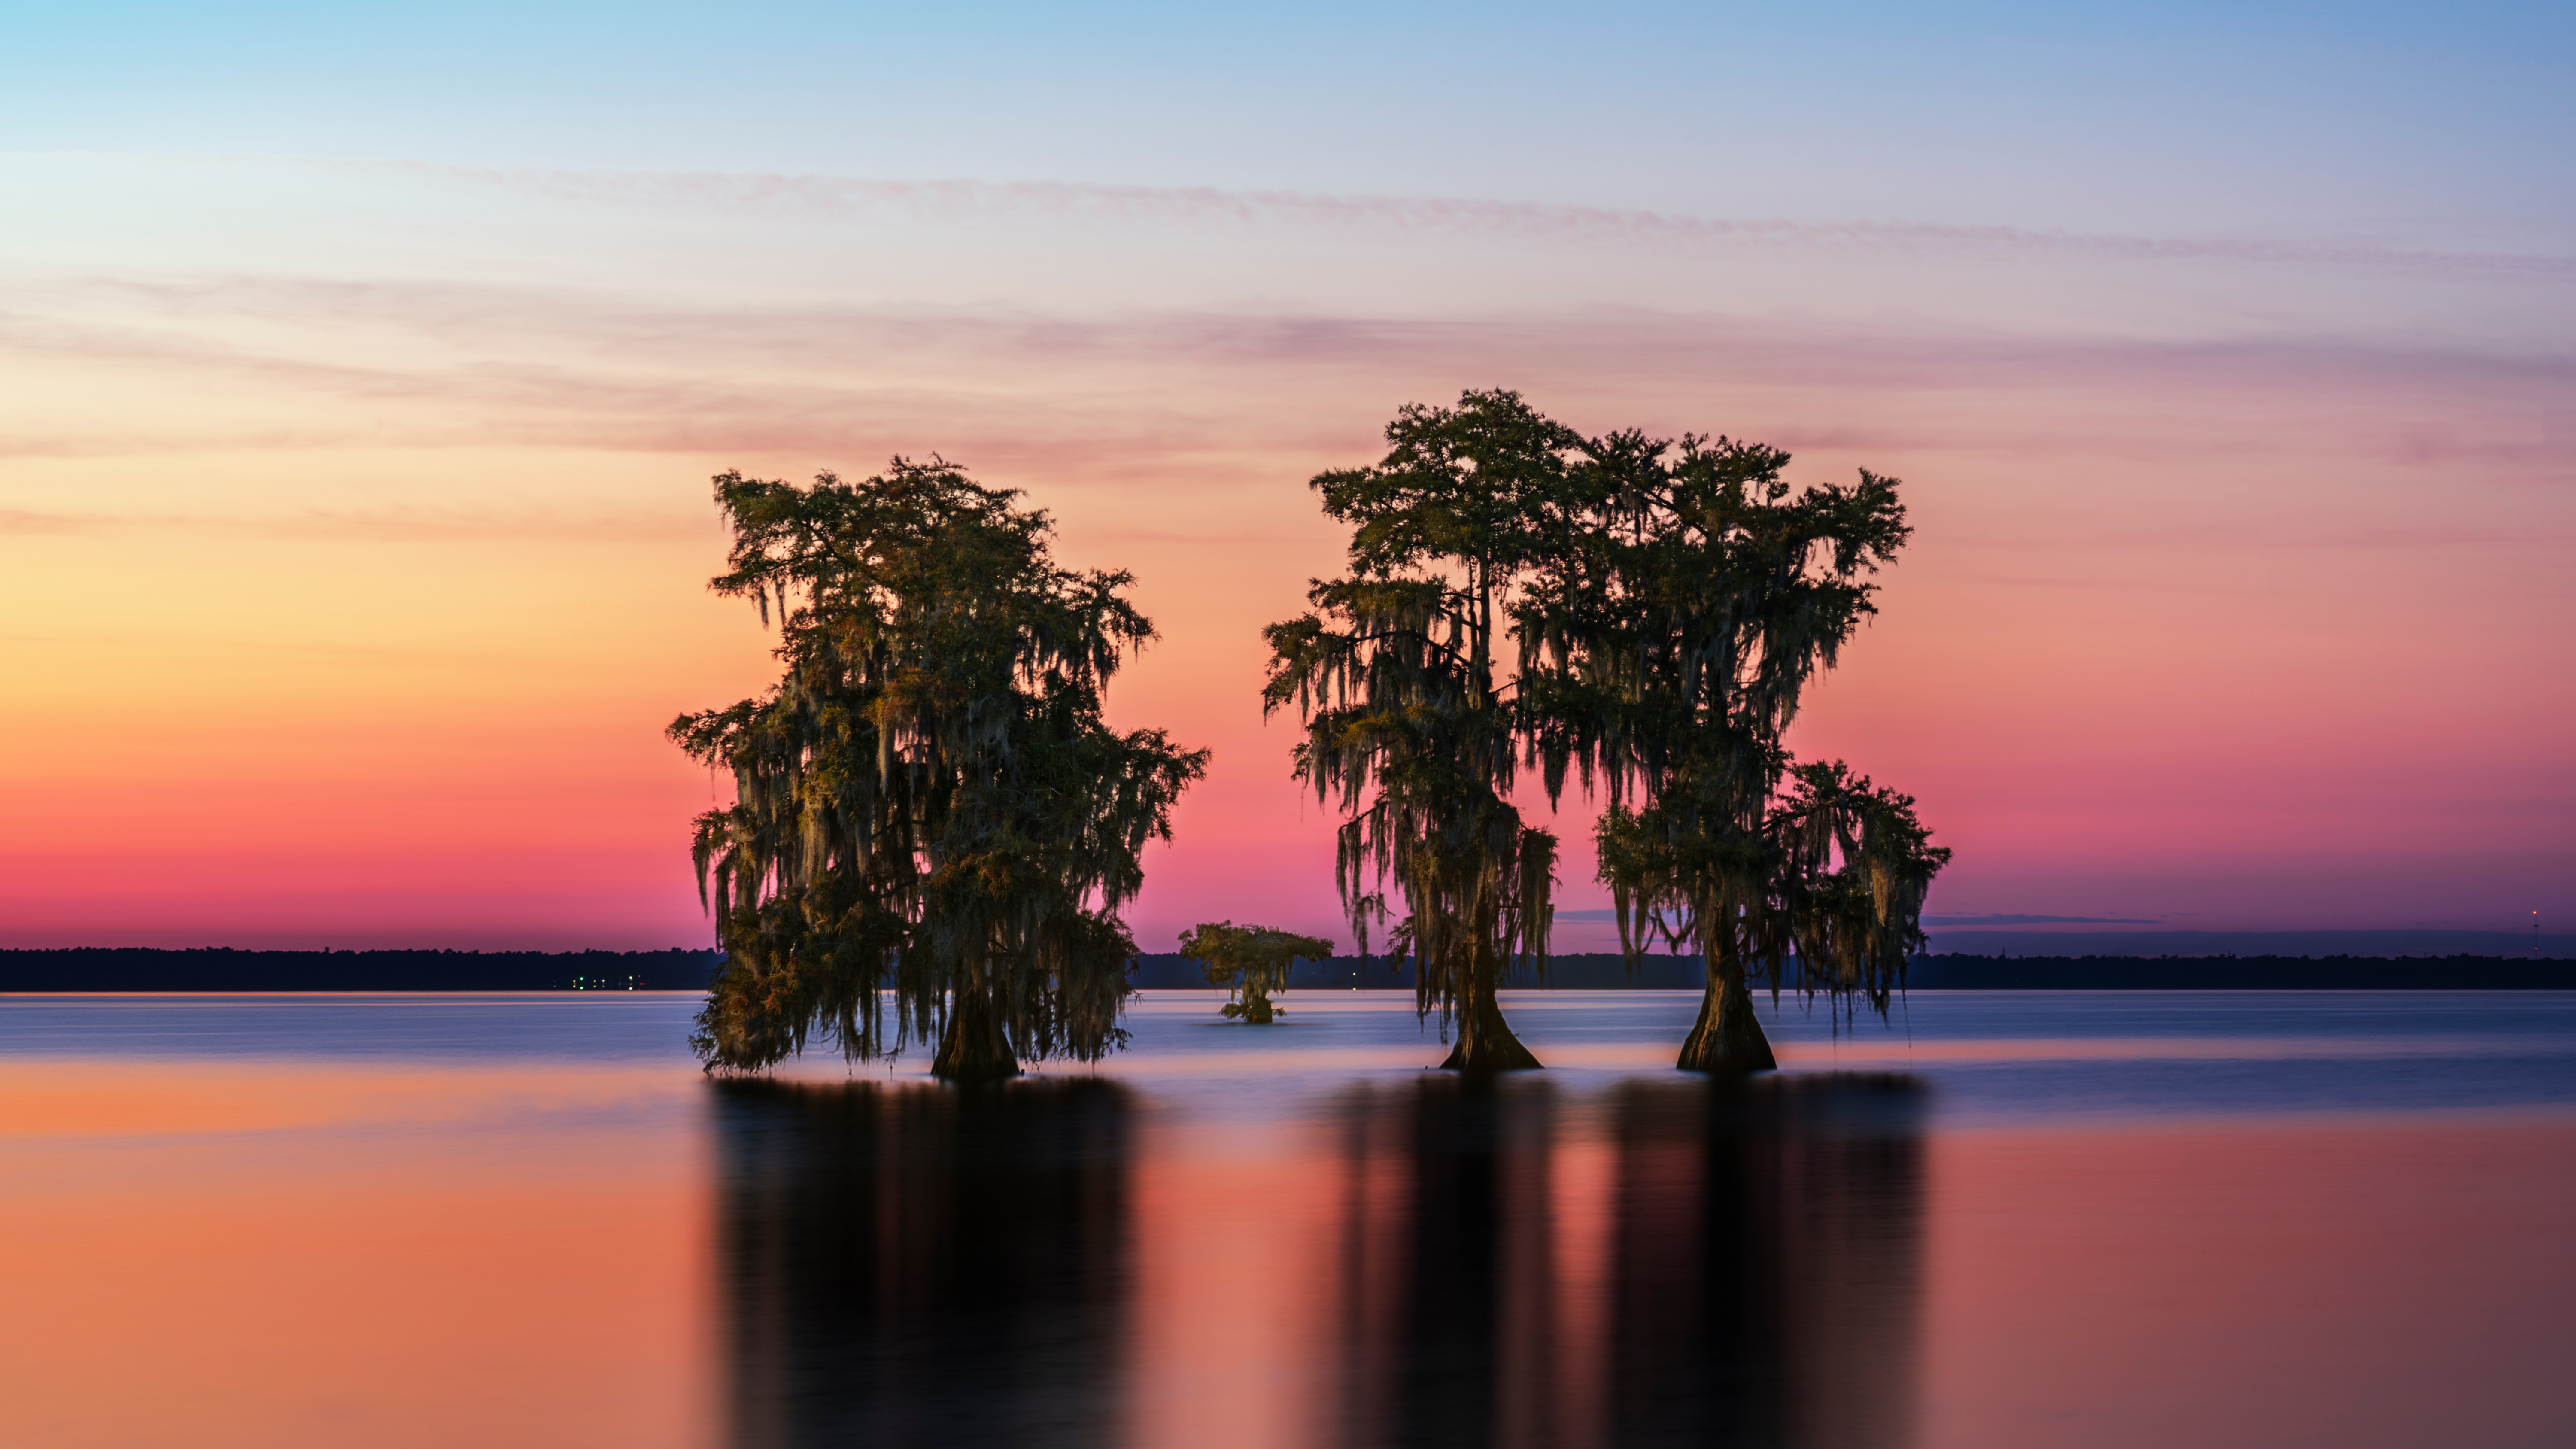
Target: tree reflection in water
<point x="1769" y="1263"/>
<point x="923" y="1266"/>
<point x="1758" y="1284"/>
<point x="1498" y="1264"/>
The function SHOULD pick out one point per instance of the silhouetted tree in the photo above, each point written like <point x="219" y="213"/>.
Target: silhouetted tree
<point x="1408" y="729"/>
<point x="1666" y="646"/>
<point x="928" y="800"/>
<point x="1251" y="962"/>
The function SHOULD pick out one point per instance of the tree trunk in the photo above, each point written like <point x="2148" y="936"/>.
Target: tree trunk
<point x="973" y="1048"/>
<point x="1485" y="1040"/>
<point x="1726" y="1041"/>
<point x="1256" y="1009"/>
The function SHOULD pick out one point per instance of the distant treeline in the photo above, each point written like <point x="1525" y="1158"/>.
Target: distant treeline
<point x="220" y="968"/>
<point x="1588" y="972"/>
<point x="1947" y="971"/>
<point x="1952" y="972"/>
<point x="130" y="968"/>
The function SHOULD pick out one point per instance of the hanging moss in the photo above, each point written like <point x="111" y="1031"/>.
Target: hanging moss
<point x="933" y="829"/>
<point x="1409" y="730"/>
<point x="1666" y="646"/>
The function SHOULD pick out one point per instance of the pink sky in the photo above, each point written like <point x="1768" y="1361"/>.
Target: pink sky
<point x="352" y="552"/>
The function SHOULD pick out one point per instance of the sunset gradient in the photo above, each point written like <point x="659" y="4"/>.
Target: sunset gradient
<point x="360" y="381"/>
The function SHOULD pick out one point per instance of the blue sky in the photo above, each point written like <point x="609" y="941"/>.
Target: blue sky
<point x="2443" y="126"/>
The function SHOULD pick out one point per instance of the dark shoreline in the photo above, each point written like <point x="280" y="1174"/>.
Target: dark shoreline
<point x="224" y="969"/>
<point x="2240" y="973"/>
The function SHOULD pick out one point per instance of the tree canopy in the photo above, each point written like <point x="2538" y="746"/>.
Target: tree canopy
<point x="934" y="829"/>
<point x="1666" y="647"/>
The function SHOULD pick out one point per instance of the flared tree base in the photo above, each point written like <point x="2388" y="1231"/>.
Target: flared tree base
<point x="1486" y="1044"/>
<point x="973" y="1048"/>
<point x="1727" y="1041"/>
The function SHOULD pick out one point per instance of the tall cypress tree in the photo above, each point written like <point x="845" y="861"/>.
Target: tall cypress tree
<point x="1411" y="726"/>
<point x="1668" y="644"/>
<point x="928" y="800"/>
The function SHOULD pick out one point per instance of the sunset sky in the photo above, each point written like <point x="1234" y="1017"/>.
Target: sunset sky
<point x="362" y="370"/>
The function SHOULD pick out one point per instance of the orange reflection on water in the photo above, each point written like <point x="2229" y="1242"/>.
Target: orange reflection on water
<point x="213" y="1256"/>
<point x="1233" y="1290"/>
<point x="95" y="1099"/>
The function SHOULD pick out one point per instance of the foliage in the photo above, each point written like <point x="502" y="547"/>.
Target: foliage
<point x="1408" y="731"/>
<point x="1251" y="962"/>
<point x="928" y="800"/>
<point x="1665" y="651"/>
<point x="1856" y="867"/>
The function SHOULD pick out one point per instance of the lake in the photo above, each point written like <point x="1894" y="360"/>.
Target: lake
<point x="1997" y="1219"/>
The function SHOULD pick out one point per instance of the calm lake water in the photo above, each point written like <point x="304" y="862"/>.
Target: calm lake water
<point x="2000" y="1219"/>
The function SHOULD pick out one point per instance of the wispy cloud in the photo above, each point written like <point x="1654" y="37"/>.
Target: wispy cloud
<point x="454" y="364"/>
<point x="963" y="200"/>
<point x="32" y="521"/>
<point x="457" y="524"/>
<point x="971" y="201"/>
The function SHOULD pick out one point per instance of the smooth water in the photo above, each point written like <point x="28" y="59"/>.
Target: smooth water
<point x="1998" y="1219"/>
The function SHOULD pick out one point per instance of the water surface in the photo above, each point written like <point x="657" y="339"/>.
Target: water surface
<point x="1997" y="1219"/>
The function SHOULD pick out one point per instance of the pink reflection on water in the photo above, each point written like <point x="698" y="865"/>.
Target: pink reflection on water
<point x="1583" y="1211"/>
<point x="2349" y="1283"/>
<point x="1229" y="1307"/>
<point x="1603" y="1270"/>
<point x="273" y="1254"/>
<point x="1874" y="1050"/>
<point x="212" y="1255"/>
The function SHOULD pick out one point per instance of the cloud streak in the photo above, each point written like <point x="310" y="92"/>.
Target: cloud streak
<point x="453" y="364"/>
<point x="380" y="525"/>
<point x="973" y="202"/>
<point x="954" y="202"/>
<point x="21" y="521"/>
